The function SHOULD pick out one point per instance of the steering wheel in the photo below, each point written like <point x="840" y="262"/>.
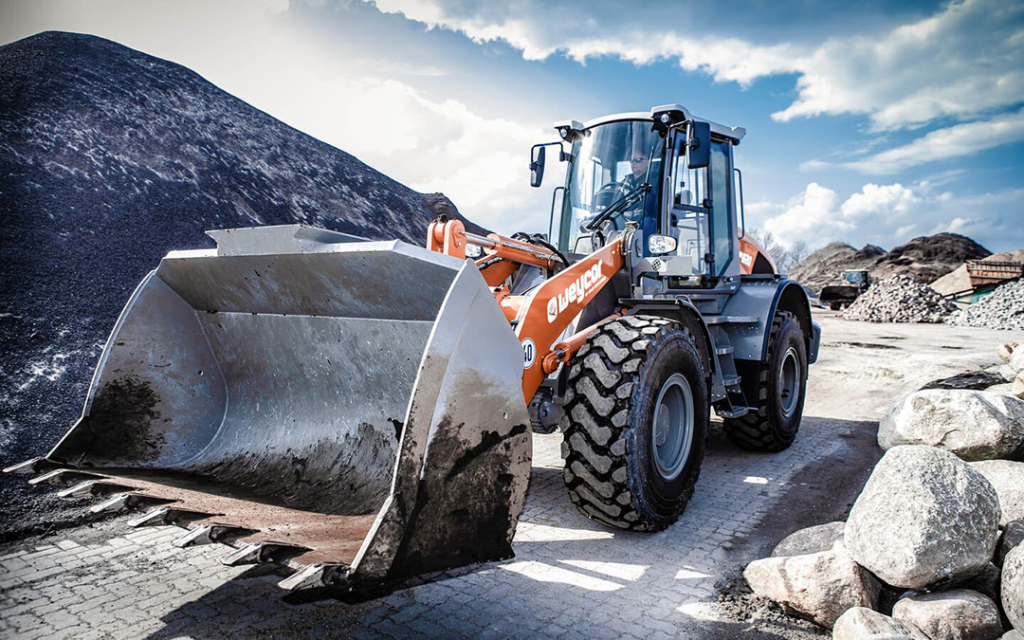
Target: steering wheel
<point x="607" y="194"/>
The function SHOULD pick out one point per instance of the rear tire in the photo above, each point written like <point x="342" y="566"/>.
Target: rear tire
<point x="621" y="468"/>
<point x="772" y="424"/>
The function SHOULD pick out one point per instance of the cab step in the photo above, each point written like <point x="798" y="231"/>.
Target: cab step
<point x="735" y="412"/>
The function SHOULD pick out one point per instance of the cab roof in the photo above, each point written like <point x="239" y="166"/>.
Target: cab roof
<point x="734" y="134"/>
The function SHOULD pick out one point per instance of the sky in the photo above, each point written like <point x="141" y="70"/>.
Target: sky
<point x="867" y="121"/>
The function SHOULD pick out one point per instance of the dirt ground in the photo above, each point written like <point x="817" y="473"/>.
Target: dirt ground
<point x="571" y="577"/>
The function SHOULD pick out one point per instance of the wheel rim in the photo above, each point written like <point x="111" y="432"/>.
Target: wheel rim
<point x="672" y="432"/>
<point x="789" y="382"/>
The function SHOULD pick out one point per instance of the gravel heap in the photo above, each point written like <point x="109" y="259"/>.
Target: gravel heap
<point x="1001" y="309"/>
<point x="899" y="298"/>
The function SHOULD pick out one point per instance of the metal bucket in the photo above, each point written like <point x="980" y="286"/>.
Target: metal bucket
<point x="353" y="406"/>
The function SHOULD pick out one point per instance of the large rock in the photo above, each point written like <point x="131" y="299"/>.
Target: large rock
<point x="817" y="586"/>
<point x="960" y="614"/>
<point x="1008" y="479"/>
<point x="1017" y="388"/>
<point x="986" y="583"/>
<point x="1005" y="351"/>
<point x="1017" y="359"/>
<point x="925" y="517"/>
<point x="1011" y="538"/>
<point x="974" y="425"/>
<point x="810" y="540"/>
<point x="1013" y="634"/>
<point x="1013" y="587"/>
<point x="860" y="623"/>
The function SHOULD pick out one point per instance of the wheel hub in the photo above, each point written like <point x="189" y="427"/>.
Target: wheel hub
<point x="672" y="426"/>
<point x="789" y="382"/>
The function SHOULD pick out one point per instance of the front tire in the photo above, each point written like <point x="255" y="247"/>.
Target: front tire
<point x="772" y="424"/>
<point x="636" y="417"/>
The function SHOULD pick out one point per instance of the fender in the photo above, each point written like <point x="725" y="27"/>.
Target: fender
<point x="791" y="297"/>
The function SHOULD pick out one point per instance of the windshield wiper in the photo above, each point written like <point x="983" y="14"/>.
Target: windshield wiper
<point x="635" y="195"/>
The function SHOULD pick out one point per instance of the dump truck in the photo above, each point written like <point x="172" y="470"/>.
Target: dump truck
<point x="363" y="411"/>
<point x="853" y="283"/>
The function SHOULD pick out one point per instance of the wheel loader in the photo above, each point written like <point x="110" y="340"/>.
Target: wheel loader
<point x="853" y="282"/>
<point x="362" y="411"/>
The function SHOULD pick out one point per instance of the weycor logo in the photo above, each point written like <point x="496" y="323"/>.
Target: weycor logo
<point x="577" y="291"/>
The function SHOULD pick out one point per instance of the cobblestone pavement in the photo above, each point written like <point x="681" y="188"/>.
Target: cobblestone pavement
<point x="570" y="577"/>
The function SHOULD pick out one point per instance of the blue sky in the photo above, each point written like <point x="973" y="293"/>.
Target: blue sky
<point x="866" y="122"/>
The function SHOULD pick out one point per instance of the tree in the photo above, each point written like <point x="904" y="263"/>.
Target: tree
<point x="770" y="245"/>
<point x="797" y="254"/>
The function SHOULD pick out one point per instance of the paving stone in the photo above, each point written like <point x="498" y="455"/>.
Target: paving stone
<point x="619" y="583"/>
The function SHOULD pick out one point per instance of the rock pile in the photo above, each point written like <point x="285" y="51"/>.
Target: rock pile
<point x="1001" y="309"/>
<point x="934" y="545"/>
<point x="899" y="299"/>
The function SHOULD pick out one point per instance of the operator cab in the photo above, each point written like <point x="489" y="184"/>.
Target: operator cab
<point x="665" y="172"/>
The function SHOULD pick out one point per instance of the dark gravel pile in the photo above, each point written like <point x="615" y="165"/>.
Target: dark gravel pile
<point x="899" y="298"/>
<point x="109" y="158"/>
<point x="1001" y="309"/>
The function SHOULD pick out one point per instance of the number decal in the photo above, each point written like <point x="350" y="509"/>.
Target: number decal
<point x="529" y="353"/>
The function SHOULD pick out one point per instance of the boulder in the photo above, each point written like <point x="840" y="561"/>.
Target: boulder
<point x="974" y="425"/>
<point x="986" y="583"/>
<point x="960" y="614"/>
<point x="1008" y="372"/>
<point x="976" y="380"/>
<point x="1008" y="479"/>
<point x="810" y="540"/>
<point x="1011" y="538"/>
<point x="1013" y="634"/>
<point x="1013" y="587"/>
<point x="1005" y="351"/>
<point x="1017" y="388"/>
<point x="816" y="586"/>
<point x="1017" y="360"/>
<point x="925" y="517"/>
<point x="861" y="623"/>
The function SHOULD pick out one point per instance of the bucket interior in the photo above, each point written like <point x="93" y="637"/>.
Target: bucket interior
<point x="283" y="378"/>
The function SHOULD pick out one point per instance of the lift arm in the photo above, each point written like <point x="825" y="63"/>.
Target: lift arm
<point x="537" y="319"/>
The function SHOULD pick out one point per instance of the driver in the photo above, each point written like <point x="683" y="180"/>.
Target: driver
<point x="638" y="164"/>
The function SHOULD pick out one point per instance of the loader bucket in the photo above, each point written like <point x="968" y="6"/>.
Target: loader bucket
<point x="354" y="407"/>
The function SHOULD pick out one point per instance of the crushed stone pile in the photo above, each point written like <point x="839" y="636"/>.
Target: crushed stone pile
<point x="1001" y="309"/>
<point x="899" y="298"/>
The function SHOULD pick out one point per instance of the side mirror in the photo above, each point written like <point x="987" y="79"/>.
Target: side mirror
<point x="537" y="166"/>
<point x="659" y="245"/>
<point x="699" y="148"/>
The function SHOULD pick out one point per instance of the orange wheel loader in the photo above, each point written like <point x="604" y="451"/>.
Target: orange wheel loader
<point x="362" y="411"/>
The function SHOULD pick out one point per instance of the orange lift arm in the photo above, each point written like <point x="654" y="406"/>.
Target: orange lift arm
<point x="539" y="319"/>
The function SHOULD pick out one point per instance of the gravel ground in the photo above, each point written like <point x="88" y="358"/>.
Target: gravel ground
<point x="1001" y="309"/>
<point x="899" y="298"/>
<point x="570" y="575"/>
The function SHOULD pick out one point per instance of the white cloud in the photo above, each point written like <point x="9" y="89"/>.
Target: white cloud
<point x="889" y="215"/>
<point x="808" y="213"/>
<point x="964" y="60"/>
<point x="480" y="163"/>
<point x="953" y="142"/>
